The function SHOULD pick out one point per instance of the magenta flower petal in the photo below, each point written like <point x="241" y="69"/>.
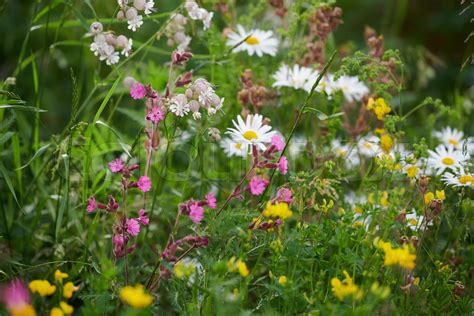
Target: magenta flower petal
<point x="137" y="91"/>
<point x="211" y="200"/>
<point x="257" y="185"/>
<point x="196" y="213"/>
<point x="283" y="165"/>
<point x="91" y="204"/>
<point x="116" y="165"/>
<point x="133" y="227"/>
<point x="144" y="184"/>
<point x="278" y="142"/>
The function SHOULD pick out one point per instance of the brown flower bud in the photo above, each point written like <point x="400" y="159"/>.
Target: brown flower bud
<point x="424" y="182"/>
<point x="436" y="206"/>
<point x="458" y="288"/>
<point x="414" y="241"/>
<point x="403" y="240"/>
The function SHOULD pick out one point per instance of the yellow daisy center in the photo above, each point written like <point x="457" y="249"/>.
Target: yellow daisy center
<point x="252" y="40"/>
<point x="465" y="178"/>
<point x="249" y="135"/>
<point x="413" y="222"/>
<point x="452" y="141"/>
<point x="238" y="146"/>
<point x="448" y="161"/>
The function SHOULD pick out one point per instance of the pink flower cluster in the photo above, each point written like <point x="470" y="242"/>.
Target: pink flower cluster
<point x="194" y="209"/>
<point x="155" y="109"/>
<point x="125" y="230"/>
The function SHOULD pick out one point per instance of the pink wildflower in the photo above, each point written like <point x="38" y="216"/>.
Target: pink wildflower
<point x="283" y="165"/>
<point x="137" y="91"/>
<point x="142" y="217"/>
<point x="155" y="115"/>
<point x="257" y="185"/>
<point x="144" y="184"/>
<point x="211" y="200"/>
<point x="278" y="142"/>
<point x="118" y="240"/>
<point x="91" y="204"/>
<point x="284" y="195"/>
<point x="133" y="227"/>
<point x="116" y="165"/>
<point x="196" y="213"/>
<point x="15" y="296"/>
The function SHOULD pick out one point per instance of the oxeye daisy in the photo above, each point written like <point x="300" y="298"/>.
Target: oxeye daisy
<point x="254" y="41"/>
<point x="450" y="137"/>
<point x="414" y="221"/>
<point x="297" y="77"/>
<point x="460" y="179"/>
<point x="232" y="148"/>
<point x="443" y="158"/>
<point x="351" y="87"/>
<point x="251" y="132"/>
<point x="369" y="146"/>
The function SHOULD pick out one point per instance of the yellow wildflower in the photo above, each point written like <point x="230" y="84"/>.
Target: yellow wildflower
<point x="411" y="171"/>
<point x="397" y="256"/>
<point x="135" y="296"/>
<point x="386" y="143"/>
<point x="232" y="265"/>
<point x="243" y="270"/>
<point x="358" y="210"/>
<point x="379" y="106"/>
<point x="379" y="131"/>
<point x="370" y="198"/>
<point x="282" y="280"/>
<point x="69" y="289"/>
<point x="183" y="269"/>
<point x="346" y="287"/>
<point x="429" y="196"/>
<point x="23" y="310"/>
<point x="381" y="291"/>
<point x="56" y="311"/>
<point x="59" y="276"/>
<point x="42" y="287"/>
<point x="440" y="195"/>
<point x="384" y="199"/>
<point x="67" y="309"/>
<point x="280" y="209"/>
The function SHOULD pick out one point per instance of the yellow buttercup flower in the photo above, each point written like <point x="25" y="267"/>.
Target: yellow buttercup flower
<point x="56" y="311"/>
<point x="345" y="288"/>
<point x="279" y="209"/>
<point x="59" y="276"/>
<point x="282" y="280"/>
<point x="379" y="106"/>
<point x="440" y="195"/>
<point x="67" y="309"/>
<point x="135" y="296"/>
<point x="69" y="289"/>
<point x="429" y="196"/>
<point x="384" y="199"/>
<point x="183" y="269"/>
<point x="24" y="310"/>
<point x="243" y="270"/>
<point x="397" y="256"/>
<point x="42" y="287"/>
<point x="386" y="143"/>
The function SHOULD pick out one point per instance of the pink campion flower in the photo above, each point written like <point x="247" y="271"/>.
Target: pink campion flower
<point x="155" y="115"/>
<point x="133" y="227"/>
<point x="196" y="213"/>
<point x="144" y="184"/>
<point x="283" y="165"/>
<point x="118" y="240"/>
<point x="211" y="200"/>
<point x="116" y="165"/>
<point x="91" y="204"/>
<point x="278" y="142"/>
<point x="284" y="195"/>
<point x="142" y="218"/>
<point x="15" y="296"/>
<point x="257" y="185"/>
<point x="137" y="91"/>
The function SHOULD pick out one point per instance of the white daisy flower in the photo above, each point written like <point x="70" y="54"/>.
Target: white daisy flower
<point x="232" y="148"/>
<point x="256" y="41"/>
<point x="369" y="146"/>
<point x="346" y="152"/>
<point x="460" y="179"/>
<point x="297" y="145"/>
<point x="251" y="132"/>
<point x="298" y="77"/>
<point x="450" y="137"/>
<point x="414" y="222"/>
<point x="351" y="87"/>
<point x="443" y="158"/>
<point x="135" y="23"/>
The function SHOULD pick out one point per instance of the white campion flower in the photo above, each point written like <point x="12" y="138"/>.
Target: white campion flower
<point x="179" y="105"/>
<point x="149" y="7"/>
<point x="135" y="23"/>
<point x="253" y="42"/>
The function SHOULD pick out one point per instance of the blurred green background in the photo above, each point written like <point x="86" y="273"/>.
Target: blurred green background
<point x="430" y="34"/>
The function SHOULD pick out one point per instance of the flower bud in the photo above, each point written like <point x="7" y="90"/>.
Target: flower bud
<point x="122" y="41"/>
<point x="194" y="105"/>
<point x="96" y="28"/>
<point x="129" y="81"/>
<point x="139" y="4"/>
<point x="131" y="14"/>
<point x="120" y="15"/>
<point x="111" y="40"/>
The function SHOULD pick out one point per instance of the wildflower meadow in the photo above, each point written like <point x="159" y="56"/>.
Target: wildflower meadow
<point x="224" y="157"/>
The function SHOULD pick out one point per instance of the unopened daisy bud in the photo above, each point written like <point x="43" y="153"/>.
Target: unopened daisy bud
<point x="121" y="41"/>
<point x="131" y="14"/>
<point x="139" y="4"/>
<point x="96" y="28"/>
<point x="120" y="15"/>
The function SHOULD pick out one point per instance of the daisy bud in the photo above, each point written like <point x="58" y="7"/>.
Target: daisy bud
<point x="96" y="28"/>
<point x="131" y="14"/>
<point x="120" y="15"/>
<point x="122" y="41"/>
<point x="139" y="4"/>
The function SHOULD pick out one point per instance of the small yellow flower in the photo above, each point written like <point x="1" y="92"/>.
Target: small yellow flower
<point x="183" y="269"/>
<point x="416" y="282"/>
<point x="42" y="287"/>
<point x="440" y="195"/>
<point x="429" y="196"/>
<point x="59" y="276"/>
<point x="370" y="198"/>
<point x="397" y="256"/>
<point x="135" y="296"/>
<point x="69" y="289"/>
<point x="386" y="143"/>
<point x="23" y="310"/>
<point x="381" y="291"/>
<point x="243" y="270"/>
<point x="411" y="171"/>
<point x="384" y="199"/>
<point x="67" y="309"/>
<point x="56" y="311"/>
<point x="346" y="287"/>
<point x="282" y="280"/>
<point x="358" y="210"/>
<point x="279" y="209"/>
<point x="379" y="106"/>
